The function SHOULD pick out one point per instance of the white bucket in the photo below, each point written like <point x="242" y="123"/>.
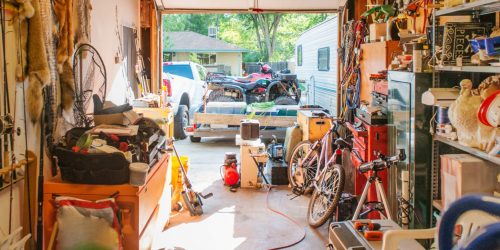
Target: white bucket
<point x="138" y="173"/>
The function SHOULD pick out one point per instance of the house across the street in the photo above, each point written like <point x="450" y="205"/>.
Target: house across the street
<point x="216" y="55"/>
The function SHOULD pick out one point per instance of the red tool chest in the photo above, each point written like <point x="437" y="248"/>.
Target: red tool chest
<point x="368" y="140"/>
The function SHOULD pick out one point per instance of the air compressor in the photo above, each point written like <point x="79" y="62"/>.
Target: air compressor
<point x="231" y="175"/>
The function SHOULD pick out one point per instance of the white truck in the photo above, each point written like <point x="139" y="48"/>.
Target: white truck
<point x="186" y="84"/>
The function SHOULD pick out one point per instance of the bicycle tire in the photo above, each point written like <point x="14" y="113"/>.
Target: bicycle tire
<point x="292" y="168"/>
<point x="332" y="171"/>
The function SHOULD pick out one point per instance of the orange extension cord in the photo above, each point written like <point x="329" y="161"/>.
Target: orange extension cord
<point x="286" y="217"/>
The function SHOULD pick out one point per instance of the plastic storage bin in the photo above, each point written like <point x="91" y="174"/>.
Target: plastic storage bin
<point x="138" y="173"/>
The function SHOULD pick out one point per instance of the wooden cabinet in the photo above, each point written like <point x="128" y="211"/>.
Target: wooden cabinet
<point x="374" y="58"/>
<point x="145" y="209"/>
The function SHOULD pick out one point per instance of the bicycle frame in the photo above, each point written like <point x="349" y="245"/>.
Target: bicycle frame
<point x="323" y="159"/>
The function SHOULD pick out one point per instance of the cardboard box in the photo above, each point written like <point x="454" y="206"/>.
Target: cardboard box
<point x="377" y="30"/>
<point x="465" y="174"/>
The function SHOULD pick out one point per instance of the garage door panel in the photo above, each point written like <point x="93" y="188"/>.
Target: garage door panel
<point x="245" y="5"/>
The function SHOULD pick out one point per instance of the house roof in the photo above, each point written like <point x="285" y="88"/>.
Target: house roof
<point x="188" y="41"/>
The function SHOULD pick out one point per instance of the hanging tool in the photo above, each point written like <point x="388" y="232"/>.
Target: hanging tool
<point x="8" y="157"/>
<point x="191" y="198"/>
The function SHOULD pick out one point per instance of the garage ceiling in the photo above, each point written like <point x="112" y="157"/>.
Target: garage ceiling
<point x="249" y="5"/>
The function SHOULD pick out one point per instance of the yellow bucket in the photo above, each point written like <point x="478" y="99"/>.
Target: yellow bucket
<point x="177" y="180"/>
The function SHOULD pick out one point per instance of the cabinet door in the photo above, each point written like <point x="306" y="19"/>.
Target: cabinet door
<point x="399" y="119"/>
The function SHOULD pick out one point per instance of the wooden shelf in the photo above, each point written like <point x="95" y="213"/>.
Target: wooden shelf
<point x="472" y="151"/>
<point x="438" y="205"/>
<point x="477" y="69"/>
<point x="483" y="7"/>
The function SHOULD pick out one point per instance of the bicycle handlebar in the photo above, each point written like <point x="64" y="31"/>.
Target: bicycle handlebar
<point x="382" y="162"/>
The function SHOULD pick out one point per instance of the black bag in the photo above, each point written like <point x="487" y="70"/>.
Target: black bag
<point x="101" y="168"/>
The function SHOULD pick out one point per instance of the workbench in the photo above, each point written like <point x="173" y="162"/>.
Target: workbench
<point x="145" y="209"/>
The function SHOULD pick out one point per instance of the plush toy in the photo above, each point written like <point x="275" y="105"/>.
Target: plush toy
<point x="463" y="114"/>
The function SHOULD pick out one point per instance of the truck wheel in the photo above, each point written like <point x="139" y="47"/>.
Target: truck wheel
<point x="181" y="120"/>
<point x="285" y="100"/>
<point x="195" y="139"/>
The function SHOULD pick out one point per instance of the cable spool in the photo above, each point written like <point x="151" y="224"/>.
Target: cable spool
<point x="442" y="115"/>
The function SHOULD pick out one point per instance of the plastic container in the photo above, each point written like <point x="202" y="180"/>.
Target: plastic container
<point x="138" y="173"/>
<point x="177" y="180"/>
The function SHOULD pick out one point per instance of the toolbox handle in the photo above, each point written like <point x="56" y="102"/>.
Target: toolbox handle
<point x="320" y="122"/>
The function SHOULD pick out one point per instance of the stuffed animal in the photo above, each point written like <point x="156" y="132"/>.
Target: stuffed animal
<point x="463" y="114"/>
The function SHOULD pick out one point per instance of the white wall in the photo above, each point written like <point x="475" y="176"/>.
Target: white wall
<point x="105" y="40"/>
<point x="322" y="85"/>
<point x="234" y="60"/>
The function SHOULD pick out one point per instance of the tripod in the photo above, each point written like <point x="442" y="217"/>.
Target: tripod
<point x="381" y="205"/>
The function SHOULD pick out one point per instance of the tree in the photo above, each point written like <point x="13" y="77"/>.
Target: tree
<point x="269" y="37"/>
<point x="266" y="26"/>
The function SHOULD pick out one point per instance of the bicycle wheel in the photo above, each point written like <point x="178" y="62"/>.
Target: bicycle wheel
<point x="300" y="177"/>
<point x="325" y="199"/>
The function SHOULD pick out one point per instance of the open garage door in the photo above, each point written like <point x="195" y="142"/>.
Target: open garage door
<point x="250" y="5"/>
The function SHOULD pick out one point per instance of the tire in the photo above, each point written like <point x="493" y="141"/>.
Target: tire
<point x="331" y="186"/>
<point x="181" y="120"/>
<point x="194" y="139"/>
<point x="298" y="153"/>
<point x="285" y="100"/>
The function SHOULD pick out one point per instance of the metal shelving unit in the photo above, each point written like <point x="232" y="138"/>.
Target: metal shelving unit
<point x="476" y="152"/>
<point x="478" y="7"/>
<point x="472" y="69"/>
<point x="482" y="7"/>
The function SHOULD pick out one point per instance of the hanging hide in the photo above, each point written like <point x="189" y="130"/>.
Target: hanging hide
<point x="81" y="21"/>
<point x="67" y="86"/>
<point x="66" y="14"/>
<point x="25" y="11"/>
<point x="38" y="68"/>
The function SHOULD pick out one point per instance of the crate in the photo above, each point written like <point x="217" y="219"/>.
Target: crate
<point x="314" y="124"/>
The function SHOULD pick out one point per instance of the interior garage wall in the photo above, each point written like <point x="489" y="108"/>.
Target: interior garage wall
<point x="107" y="42"/>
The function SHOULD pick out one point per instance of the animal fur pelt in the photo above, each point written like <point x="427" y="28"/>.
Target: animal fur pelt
<point x="38" y="67"/>
<point x="67" y="86"/>
<point x="64" y="12"/>
<point x="82" y="21"/>
<point x="25" y="11"/>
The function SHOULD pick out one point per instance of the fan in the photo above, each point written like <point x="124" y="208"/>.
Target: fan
<point x="89" y="74"/>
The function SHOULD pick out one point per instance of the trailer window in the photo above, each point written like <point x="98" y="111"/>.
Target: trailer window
<point x="299" y="55"/>
<point x="324" y="59"/>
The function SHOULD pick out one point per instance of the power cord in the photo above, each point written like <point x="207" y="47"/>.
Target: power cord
<point x="269" y="187"/>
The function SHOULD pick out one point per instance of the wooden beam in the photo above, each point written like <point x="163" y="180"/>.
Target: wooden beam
<point x="228" y="119"/>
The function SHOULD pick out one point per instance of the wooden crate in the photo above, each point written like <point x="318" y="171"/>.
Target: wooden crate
<point x="313" y="126"/>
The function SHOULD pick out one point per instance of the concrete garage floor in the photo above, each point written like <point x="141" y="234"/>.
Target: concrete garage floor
<point x="237" y="220"/>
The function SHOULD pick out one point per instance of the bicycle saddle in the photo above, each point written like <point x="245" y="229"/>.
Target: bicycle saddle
<point x="341" y="143"/>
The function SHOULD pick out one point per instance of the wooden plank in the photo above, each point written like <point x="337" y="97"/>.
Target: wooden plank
<point x="228" y="119"/>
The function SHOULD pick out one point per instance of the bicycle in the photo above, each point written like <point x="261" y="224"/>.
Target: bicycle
<point x="314" y="165"/>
